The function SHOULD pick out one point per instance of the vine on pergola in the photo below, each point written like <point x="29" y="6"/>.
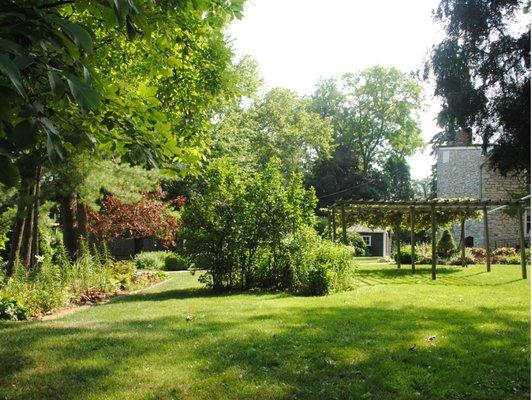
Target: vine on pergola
<point x="421" y="215"/>
<point x="386" y="217"/>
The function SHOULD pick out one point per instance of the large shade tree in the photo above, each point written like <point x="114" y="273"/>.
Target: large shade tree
<point x="375" y="117"/>
<point x="72" y="82"/>
<point x="482" y="74"/>
<point x="279" y="124"/>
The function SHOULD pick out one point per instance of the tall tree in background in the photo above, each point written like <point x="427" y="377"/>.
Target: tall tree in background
<point x="482" y="70"/>
<point x="277" y="125"/>
<point x="422" y="188"/>
<point x="397" y="172"/>
<point x="375" y="116"/>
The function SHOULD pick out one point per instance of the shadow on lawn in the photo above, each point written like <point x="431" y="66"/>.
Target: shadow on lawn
<point x="189" y="293"/>
<point x="300" y="353"/>
<point x="445" y="275"/>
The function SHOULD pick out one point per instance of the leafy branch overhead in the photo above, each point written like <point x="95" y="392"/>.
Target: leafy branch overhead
<point x="482" y="75"/>
<point x="72" y="77"/>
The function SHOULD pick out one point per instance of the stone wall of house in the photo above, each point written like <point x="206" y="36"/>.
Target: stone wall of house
<point x="504" y="229"/>
<point x="458" y="171"/>
<point x="462" y="171"/>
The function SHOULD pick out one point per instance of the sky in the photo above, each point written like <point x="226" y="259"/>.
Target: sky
<point x="298" y="41"/>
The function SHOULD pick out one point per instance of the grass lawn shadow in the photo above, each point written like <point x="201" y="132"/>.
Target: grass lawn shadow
<point x="433" y="340"/>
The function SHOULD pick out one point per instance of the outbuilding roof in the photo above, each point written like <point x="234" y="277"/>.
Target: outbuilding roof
<point x="364" y="229"/>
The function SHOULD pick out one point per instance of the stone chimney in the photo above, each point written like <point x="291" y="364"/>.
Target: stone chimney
<point x="463" y="138"/>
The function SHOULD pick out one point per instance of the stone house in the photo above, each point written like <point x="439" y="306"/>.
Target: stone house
<point x="462" y="170"/>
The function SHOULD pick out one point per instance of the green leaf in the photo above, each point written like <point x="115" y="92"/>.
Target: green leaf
<point x="53" y="141"/>
<point x="24" y="135"/>
<point x="118" y="7"/>
<point x="56" y="84"/>
<point x="85" y="95"/>
<point x="12" y="47"/>
<point x="86" y="75"/>
<point x="9" y="69"/>
<point x="9" y="100"/>
<point x="54" y="148"/>
<point x="23" y="62"/>
<point x="9" y="174"/>
<point x="49" y="127"/>
<point x="75" y="32"/>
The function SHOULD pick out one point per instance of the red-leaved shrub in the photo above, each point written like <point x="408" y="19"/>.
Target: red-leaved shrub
<point x="150" y="217"/>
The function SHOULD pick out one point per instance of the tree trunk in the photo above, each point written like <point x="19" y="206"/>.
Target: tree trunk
<point x="137" y="245"/>
<point x="27" y="237"/>
<point x="18" y="230"/>
<point x="35" y="243"/>
<point x="69" y="224"/>
<point x="16" y="242"/>
<point x="36" y="202"/>
<point x="29" y="227"/>
<point x="81" y="215"/>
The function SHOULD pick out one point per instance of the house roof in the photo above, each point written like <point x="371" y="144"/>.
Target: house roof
<point x="364" y="229"/>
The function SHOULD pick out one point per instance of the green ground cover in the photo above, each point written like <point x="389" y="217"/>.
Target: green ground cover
<point x="396" y="336"/>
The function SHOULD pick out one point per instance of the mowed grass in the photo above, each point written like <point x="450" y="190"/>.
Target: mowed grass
<point x="396" y="336"/>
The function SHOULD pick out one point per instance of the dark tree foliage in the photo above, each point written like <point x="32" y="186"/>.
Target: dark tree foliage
<point x="375" y="125"/>
<point x="397" y="172"/>
<point x="338" y="178"/>
<point x="482" y="70"/>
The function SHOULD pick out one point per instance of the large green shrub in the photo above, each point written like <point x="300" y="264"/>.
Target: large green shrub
<point x="151" y="260"/>
<point x="405" y="255"/>
<point x="356" y="240"/>
<point x="456" y="259"/>
<point x="316" y="266"/>
<point x="256" y="230"/>
<point x="11" y="309"/>
<point x="423" y="253"/>
<point x="446" y="246"/>
<point x="6" y="222"/>
<point x="175" y="262"/>
<point x="322" y="226"/>
<point x="159" y="260"/>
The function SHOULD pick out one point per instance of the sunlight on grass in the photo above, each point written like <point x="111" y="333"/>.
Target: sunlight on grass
<point x="396" y="336"/>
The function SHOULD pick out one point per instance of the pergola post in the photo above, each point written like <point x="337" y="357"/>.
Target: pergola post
<point x="433" y="237"/>
<point x="521" y="240"/>
<point x="462" y="240"/>
<point x="344" y="226"/>
<point x="413" y="239"/>
<point x="333" y="215"/>
<point x="329" y="224"/>
<point x="487" y="239"/>
<point x="398" y="243"/>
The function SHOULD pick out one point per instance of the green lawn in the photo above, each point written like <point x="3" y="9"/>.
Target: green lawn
<point x="397" y="336"/>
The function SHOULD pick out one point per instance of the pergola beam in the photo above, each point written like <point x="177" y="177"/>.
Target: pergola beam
<point x="477" y="204"/>
<point x="397" y="235"/>
<point x="462" y="240"/>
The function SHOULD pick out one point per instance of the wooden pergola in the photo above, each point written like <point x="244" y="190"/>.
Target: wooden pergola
<point x="432" y="206"/>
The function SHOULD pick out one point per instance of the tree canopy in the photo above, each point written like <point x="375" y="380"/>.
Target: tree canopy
<point x="135" y="81"/>
<point x="278" y="125"/>
<point x="482" y="71"/>
<point x="375" y="121"/>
